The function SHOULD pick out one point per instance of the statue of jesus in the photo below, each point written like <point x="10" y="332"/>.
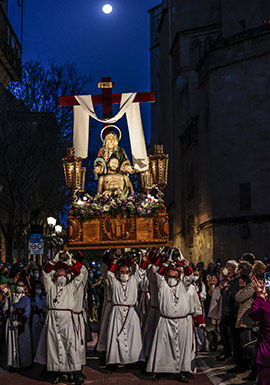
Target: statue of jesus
<point x="114" y="183"/>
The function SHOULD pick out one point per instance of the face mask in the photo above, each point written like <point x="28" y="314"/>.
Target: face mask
<point x="61" y="281"/>
<point x="124" y="277"/>
<point x="36" y="275"/>
<point x="31" y="274"/>
<point x="38" y="291"/>
<point x="172" y="282"/>
<point x="91" y="275"/>
<point x="19" y="289"/>
<point x="196" y="278"/>
<point x="225" y="271"/>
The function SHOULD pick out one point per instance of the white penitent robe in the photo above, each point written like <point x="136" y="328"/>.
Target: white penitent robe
<point x="19" y="351"/>
<point x="64" y="329"/>
<point x="106" y="311"/>
<point x="144" y="304"/>
<point x="153" y="316"/>
<point x="80" y="293"/>
<point x="39" y="309"/>
<point x="124" y="340"/>
<point x="172" y="343"/>
<point x="195" y="310"/>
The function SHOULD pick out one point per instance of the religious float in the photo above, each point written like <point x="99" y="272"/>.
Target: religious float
<point x="117" y="216"/>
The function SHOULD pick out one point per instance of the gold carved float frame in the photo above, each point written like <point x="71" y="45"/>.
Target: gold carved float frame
<point x="107" y="231"/>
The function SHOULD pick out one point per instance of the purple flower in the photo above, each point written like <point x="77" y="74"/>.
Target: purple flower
<point x="148" y="212"/>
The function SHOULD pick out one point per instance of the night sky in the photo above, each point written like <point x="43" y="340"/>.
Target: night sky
<point x="115" y="45"/>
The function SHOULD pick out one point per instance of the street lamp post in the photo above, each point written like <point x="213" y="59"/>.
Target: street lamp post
<point x="54" y="236"/>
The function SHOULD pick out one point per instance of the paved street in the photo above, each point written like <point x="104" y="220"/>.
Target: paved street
<point x="209" y="372"/>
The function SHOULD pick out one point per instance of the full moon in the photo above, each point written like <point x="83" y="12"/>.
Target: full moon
<point x="107" y="8"/>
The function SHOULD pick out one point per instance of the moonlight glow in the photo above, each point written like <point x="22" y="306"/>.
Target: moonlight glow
<point x="107" y="8"/>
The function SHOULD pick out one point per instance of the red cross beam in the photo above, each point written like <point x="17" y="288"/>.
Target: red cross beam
<point x="107" y="98"/>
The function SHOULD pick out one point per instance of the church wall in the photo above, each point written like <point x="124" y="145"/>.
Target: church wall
<point x="217" y="142"/>
<point x="234" y="239"/>
<point x="239" y="104"/>
<point x="155" y="15"/>
<point x="192" y="14"/>
<point x="239" y="96"/>
<point x="241" y="15"/>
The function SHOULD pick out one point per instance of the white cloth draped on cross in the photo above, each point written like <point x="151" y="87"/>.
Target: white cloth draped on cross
<point x="134" y="121"/>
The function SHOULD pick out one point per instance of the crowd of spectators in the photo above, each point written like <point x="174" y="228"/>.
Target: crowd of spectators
<point x="235" y="318"/>
<point x="232" y="289"/>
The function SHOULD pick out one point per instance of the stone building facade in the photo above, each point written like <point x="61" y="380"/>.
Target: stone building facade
<point x="10" y="69"/>
<point x="210" y="70"/>
<point x="10" y="49"/>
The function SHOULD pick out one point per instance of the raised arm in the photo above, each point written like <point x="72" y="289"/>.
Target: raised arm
<point x="80" y="273"/>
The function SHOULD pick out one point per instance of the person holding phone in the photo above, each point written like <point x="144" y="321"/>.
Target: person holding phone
<point x="260" y="312"/>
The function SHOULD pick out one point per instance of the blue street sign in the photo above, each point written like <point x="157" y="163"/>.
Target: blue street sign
<point x="36" y="238"/>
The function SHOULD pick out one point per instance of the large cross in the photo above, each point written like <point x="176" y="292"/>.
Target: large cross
<point x="107" y="98"/>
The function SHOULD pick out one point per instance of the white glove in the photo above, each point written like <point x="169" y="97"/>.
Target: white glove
<point x="56" y="258"/>
<point x="15" y="324"/>
<point x="69" y="260"/>
<point x="181" y="257"/>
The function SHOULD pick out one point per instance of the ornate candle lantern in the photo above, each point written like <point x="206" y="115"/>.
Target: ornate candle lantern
<point x="146" y="180"/>
<point x="74" y="172"/>
<point x="157" y="174"/>
<point x="159" y="167"/>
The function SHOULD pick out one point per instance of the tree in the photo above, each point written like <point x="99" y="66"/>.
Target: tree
<point x="30" y="168"/>
<point x="34" y="132"/>
<point x="42" y="85"/>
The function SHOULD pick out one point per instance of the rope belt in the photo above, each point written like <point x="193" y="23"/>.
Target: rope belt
<point x="185" y="316"/>
<point x="125" y="320"/>
<point x="77" y="332"/>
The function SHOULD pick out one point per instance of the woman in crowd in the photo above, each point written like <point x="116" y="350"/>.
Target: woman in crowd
<point x="19" y="350"/>
<point x="244" y="324"/>
<point x="260" y="312"/>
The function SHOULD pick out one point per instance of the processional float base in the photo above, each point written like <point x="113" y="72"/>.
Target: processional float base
<point x="108" y="231"/>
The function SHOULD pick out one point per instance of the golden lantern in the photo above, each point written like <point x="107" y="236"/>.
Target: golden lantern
<point x="146" y="180"/>
<point x="159" y="167"/>
<point x="157" y="174"/>
<point x="74" y="172"/>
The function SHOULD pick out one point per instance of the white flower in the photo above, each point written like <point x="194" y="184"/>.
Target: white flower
<point x="106" y="208"/>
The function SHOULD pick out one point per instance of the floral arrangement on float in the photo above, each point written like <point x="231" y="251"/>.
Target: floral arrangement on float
<point x="138" y="204"/>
